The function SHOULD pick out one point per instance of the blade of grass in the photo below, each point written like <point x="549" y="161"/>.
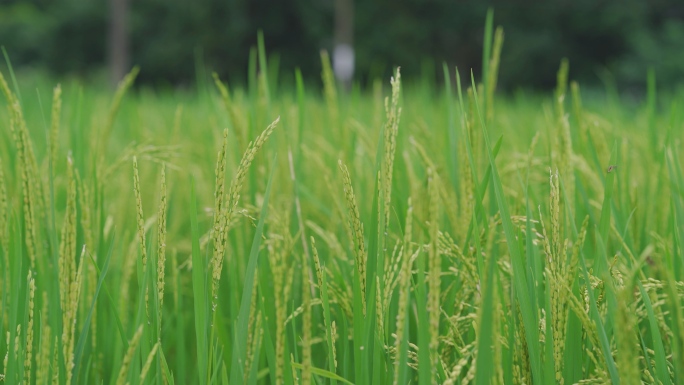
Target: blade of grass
<point x="484" y="365"/>
<point x="660" y="359"/>
<point x="486" y="55"/>
<point x="324" y="373"/>
<point x="86" y="324"/>
<point x="11" y="71"/>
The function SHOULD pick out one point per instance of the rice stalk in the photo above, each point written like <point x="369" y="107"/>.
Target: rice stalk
<point x="563" y="140"/>
<point x="230" y="207"/>
<point x="404" y="281"/>
<point x="252" y="329"/>
<point x="126" y="363"/>
<point x="141" y="227"/>
<point x="69" y="328"/>
<point x="356" y="227"/>
<point x="54" y="126"/>
<point x="148" y="362"/>
<point x="254" y="335"/>
<point x="29" y="181"/>
<point x="161" y="241"/>
<point x="121" y="90"/>
<point x="85" y="204"/>
<point x="306" y="325"/>
<point x="67" y="246"/>
<point x="220" y="217"/>
<point x="28" y="358"/>
<point x="5" y="360"/>
<point x="4" y="217"/>
<point x="393" y="116"/>
<point x="626" y="339"/>
<point x="434" y="271"/>
<point x="43" y="358"/>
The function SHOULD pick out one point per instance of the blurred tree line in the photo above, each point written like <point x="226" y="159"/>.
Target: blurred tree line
<point x="616" y="39"/>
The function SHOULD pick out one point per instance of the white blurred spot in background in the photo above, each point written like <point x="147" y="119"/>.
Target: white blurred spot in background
<point x="343" y="62"/>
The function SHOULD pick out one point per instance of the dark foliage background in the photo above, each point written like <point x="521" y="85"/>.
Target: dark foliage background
<point x="603" y="39"/>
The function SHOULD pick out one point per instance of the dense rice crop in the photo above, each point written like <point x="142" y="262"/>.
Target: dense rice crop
<point x="392" y="237"/>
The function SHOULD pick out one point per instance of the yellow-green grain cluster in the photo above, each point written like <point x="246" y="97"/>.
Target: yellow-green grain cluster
<point x="356" y="228"/>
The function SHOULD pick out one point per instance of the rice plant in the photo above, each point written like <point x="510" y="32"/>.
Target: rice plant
<point x="415" y="234"/>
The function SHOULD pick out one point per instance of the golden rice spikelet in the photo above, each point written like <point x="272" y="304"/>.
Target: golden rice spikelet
<point x="141" y="226"/>
<point x="404" y="281"/>
<point x="73" y="309"/>
<point x="148" y="363"/>
<point x="6" y="90"/>
<point x="563" y="145"/>
<point x="333" y="332"/>
<point x="434" y="269"/>
<point x="218" y="233"/>
<point x="161" y="240"/>
<point x="233" y="198"/>
<point x="254" y="334"/>
<point x="55" y="365"/>
<point x="17" y="341"/>
<point x="67" y="246"/>
<point x="245" y="162"/>
<point x="392" y="272"/>
<point x="557" y="269"/>
<point x="126" y="363"/>
<point x="140" y="218"/>
<point x="317" y="264"/>
<point x="379" y="313"/>
<point x="306" y="325"/>
<point x="393" y="113"/>
<point x="29" y="180"/>
<point x="4" y="220"/>
<point x="43" y="358"/>
<point x="89" y="239"/>
<point x="28" y="358"/>
<point x="522" y="351"/>
<point x="54" y="126"/>
<point x="626" y="340"/>
<point x="280" y="247"/>
<point x="356" y="227"/>
<point x="252" y="325"/>
<point x="6" y="359"/>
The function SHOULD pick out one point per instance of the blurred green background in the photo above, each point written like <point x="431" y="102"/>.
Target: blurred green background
<point x="606" y="41"/>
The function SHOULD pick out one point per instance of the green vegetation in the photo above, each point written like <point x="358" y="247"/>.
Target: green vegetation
<point x="278" y="236"/>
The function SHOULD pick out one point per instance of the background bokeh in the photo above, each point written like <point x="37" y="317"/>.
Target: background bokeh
<point x="605" y="40"/>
